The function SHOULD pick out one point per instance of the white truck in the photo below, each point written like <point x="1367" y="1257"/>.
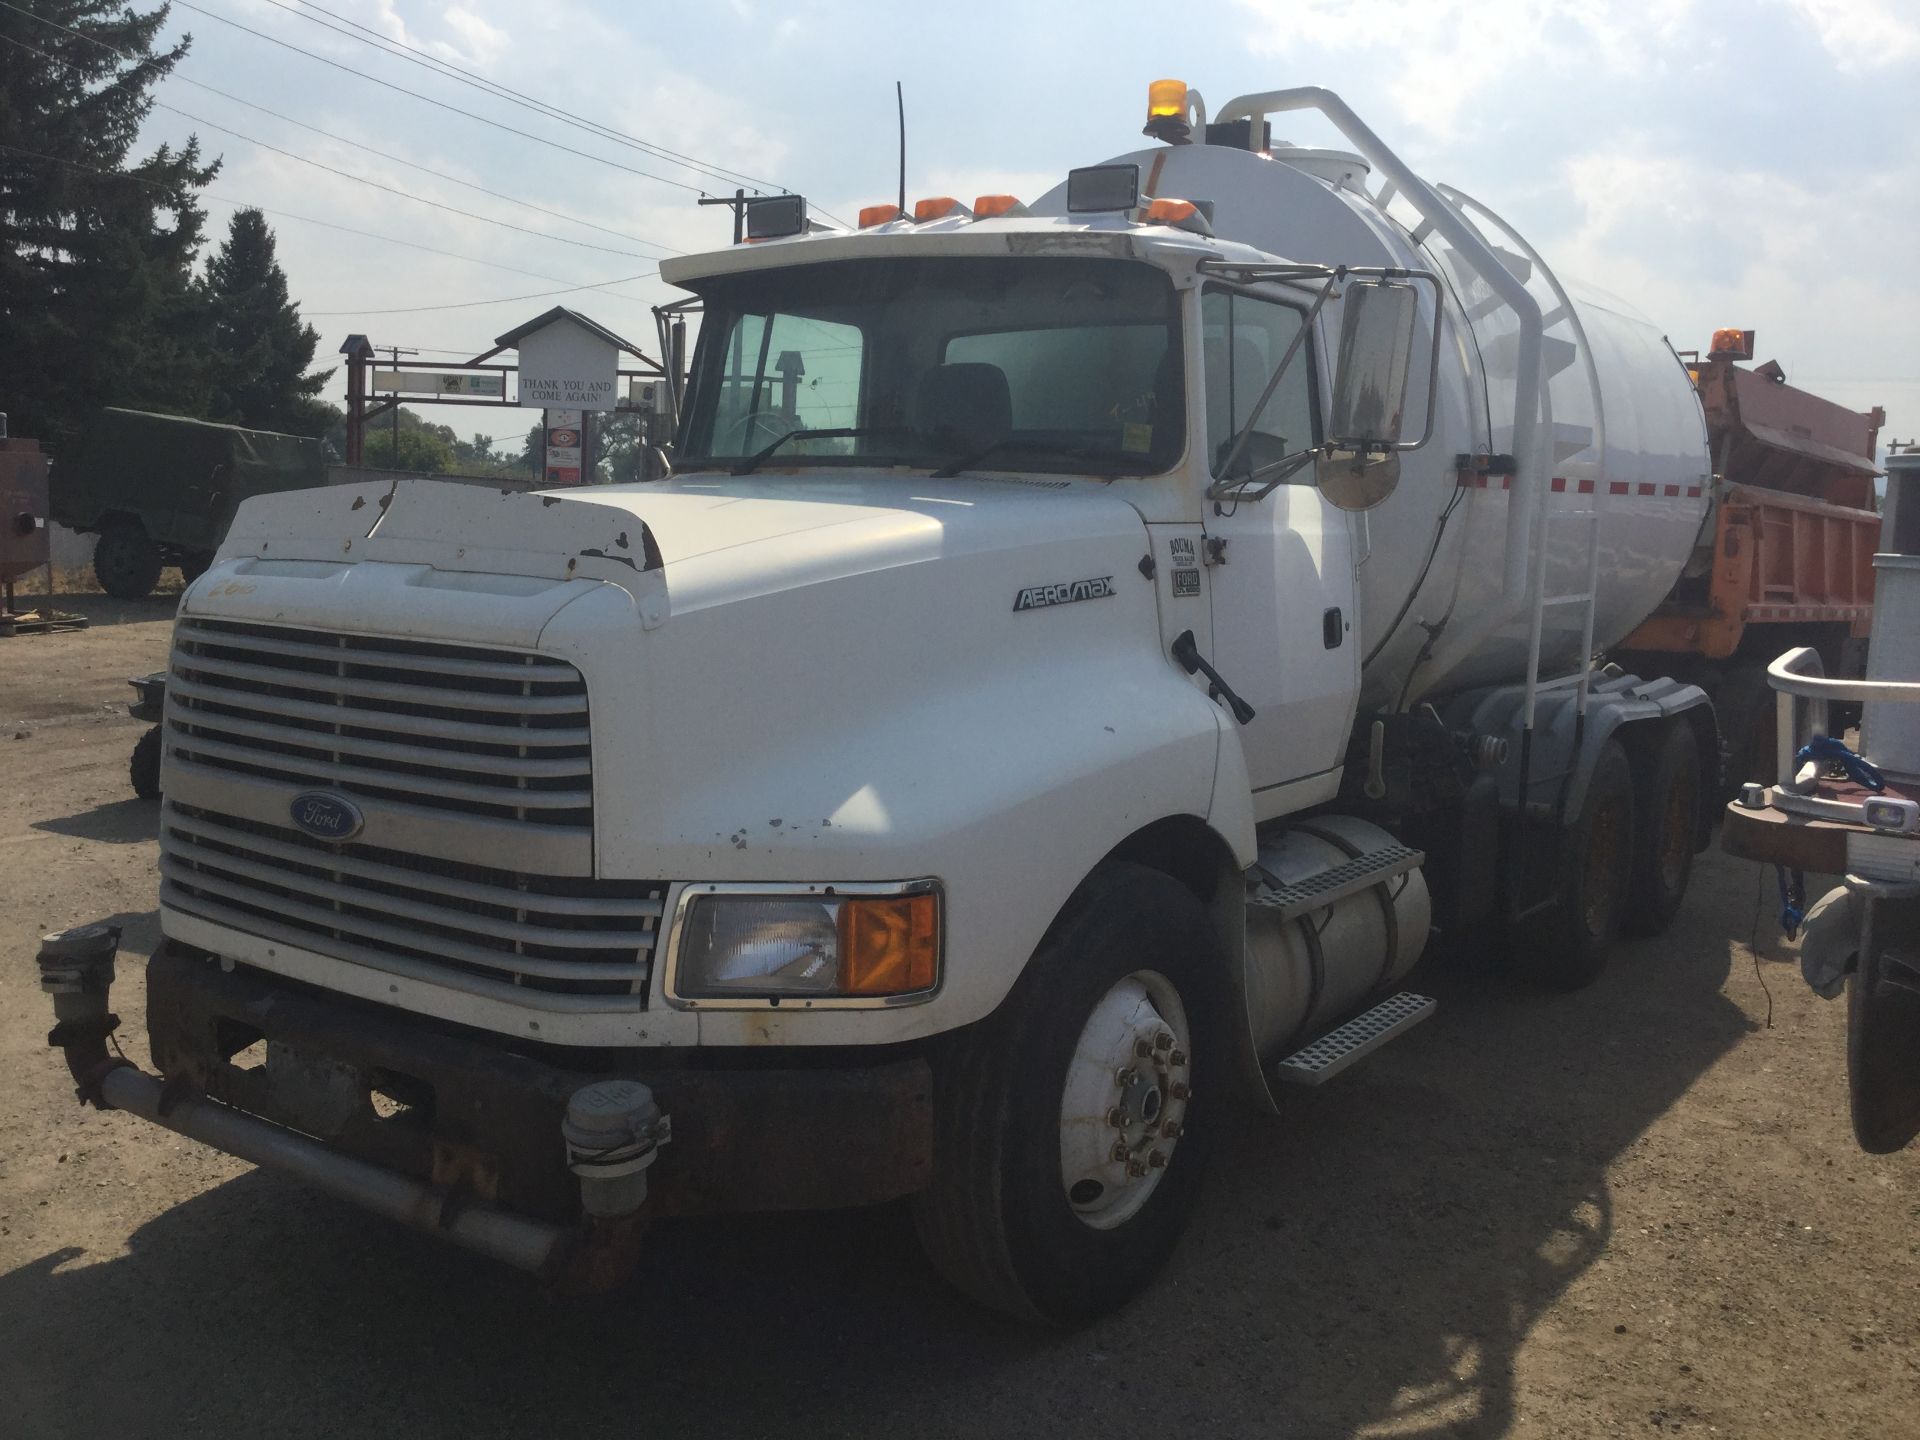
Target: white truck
<point x="1083" y="650"/>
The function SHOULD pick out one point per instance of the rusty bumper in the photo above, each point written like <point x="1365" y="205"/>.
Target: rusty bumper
<point x="457" y="1109"/>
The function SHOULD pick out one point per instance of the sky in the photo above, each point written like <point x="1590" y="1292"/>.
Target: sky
<point x="1715" y="163"/>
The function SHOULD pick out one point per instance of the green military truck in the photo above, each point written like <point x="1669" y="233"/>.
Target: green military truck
<point x="159" y="489"/>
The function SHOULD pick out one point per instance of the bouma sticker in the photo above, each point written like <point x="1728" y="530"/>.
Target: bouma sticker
<point x="1036" y="597"/>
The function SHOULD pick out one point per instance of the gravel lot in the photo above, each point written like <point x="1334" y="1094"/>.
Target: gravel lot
<point x="1633" y="1210"/>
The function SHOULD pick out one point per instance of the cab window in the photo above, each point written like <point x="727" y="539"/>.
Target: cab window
<point x="1243" y="338"/>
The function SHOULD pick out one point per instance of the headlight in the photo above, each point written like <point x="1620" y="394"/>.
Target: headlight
<point x="811" y="945"/>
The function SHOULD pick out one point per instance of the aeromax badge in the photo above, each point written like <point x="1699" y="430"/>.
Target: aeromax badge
<point x="1034" y="597"/>
<point x="326" y="816"/>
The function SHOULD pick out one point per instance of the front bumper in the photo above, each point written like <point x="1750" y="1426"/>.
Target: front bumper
<point x="746" y="1135"/>
<point x="457" y="1135"/>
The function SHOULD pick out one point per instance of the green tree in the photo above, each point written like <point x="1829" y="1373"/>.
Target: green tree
<point x="420" y="450"/>
<point x="261" y="347"/>
<point x="97" y="300"/>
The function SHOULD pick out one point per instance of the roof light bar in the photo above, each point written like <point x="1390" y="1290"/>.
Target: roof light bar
<point x="872" y="215"/>
<point x="938" y="207"/>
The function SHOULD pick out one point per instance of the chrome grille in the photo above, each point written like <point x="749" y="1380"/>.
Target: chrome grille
<point x="443" y="727"/>
<point x="487" y="931"/>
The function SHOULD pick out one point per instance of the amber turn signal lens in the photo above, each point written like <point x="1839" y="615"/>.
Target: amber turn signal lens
<point x="1171" y="212"/>
<point x="889" y="946"/>
<point x="871" y="215"/>
<point x="989" y="206"/>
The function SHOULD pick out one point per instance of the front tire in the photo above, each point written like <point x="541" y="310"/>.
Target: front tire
<point x="143" y="770"/>
<point x="1565" y="946"/>
<point x="1068" y="1141"/>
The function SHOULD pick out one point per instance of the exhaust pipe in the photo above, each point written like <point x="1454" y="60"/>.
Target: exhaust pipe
<point x="613" y="1133"/>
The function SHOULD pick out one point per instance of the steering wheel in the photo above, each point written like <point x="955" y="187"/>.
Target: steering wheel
<point x="765" y="420"/>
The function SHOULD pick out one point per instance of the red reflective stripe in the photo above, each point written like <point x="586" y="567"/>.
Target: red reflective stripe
<point x="1673" y="490"/>
<point x="1693" y="492"/>
<point x="1586" y="487"/>
<point x="1559" y="484"/>
<point x="1618" y="487"/>
<point x="1646" y="489"/>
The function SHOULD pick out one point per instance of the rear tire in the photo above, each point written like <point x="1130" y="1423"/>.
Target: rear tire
<point x="1668" y="806"/>
<point x="126" y="562"/>
<point x="193" y="564"/>
<point x="1565" y="947"/>
<point x="1030" y="1212"/>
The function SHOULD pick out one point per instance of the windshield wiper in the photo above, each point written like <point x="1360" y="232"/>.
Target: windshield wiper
<point x="753" y="461"/>
<point x="1046" y="447"/>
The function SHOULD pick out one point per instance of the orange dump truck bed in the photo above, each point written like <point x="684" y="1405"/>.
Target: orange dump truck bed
<point x="1793" y="528"/>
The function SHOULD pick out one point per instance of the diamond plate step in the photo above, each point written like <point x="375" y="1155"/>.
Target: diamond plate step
<point x="1362" y="1035"/>
<point x="1324" y="887"/>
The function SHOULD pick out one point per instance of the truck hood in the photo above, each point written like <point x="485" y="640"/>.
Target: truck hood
<point x="499" y="565"/>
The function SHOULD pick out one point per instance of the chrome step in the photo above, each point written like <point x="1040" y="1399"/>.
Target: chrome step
<point x="1362" y="1035"/>
<point x="1321" y="889"/>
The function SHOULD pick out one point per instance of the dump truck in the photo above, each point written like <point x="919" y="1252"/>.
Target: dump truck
<point x="1785" y="558"/>
<point x="159" y="490"/>
<point x="1086" y="648"/>
<point x="1831" y="810"/>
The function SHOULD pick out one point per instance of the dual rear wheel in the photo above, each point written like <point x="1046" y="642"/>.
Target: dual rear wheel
<point x="1625" y="860"/>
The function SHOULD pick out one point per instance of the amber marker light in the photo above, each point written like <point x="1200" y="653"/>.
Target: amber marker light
<point x="1166" y="97"/>
<point x="937" y="207"/>
<point x="889" y="946"/>
<point x="871" y="215"/>
<point x="989" y="207"/>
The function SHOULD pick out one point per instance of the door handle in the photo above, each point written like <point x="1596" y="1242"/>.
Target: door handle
<point x="1333" y="628"/>
<point x="1187" y="653"/>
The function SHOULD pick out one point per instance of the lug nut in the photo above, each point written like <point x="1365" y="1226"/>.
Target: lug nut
<point x="1116" y="1119"/>
<point x="1163" y="1041"/>
<point x="1178" y="1090"/>
<point x="1126" y="1078"/>
<point x="1157" y="1160"/>
<point x="1171" y="1129"/>
<point x="1142" y="1049"/>
<point x="1120" y="1155"/>
<point x="1135" y="1170"/>
<point x="1178" y="1057"/>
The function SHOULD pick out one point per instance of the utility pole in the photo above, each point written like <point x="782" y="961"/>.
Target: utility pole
<point x="394" y="352"/>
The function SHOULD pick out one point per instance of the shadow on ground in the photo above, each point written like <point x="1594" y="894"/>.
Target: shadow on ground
<point x="1370" y="1261"/>
<point x="117" y="822"/>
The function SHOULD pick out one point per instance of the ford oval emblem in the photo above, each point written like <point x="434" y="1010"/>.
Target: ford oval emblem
<point x="326" y="816"/>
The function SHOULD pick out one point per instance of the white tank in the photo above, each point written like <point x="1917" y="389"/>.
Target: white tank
<point x="1629" y="438"/>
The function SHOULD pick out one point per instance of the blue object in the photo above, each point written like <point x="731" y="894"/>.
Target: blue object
<point x="1835" y="752"/>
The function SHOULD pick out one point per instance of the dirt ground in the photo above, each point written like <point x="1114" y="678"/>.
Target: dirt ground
<point x="1629" y="1211"/>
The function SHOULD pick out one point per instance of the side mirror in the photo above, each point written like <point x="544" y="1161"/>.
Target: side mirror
<point x="1354" y="480"/>
<point x="1370" y="380"/>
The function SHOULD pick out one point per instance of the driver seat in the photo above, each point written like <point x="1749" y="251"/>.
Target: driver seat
<point x="964" y="405"/>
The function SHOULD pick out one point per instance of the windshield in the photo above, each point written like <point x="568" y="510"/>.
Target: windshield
<point x="1054" y="364"/>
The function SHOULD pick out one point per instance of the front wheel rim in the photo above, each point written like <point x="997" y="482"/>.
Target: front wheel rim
<point x="1124" y="1106"/>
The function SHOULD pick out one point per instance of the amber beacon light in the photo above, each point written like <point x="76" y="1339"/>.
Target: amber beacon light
<point x="1167" y="111"/>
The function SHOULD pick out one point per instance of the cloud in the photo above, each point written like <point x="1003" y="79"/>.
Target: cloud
<point x="1448" y="58"/>
<point x="1863" y="34"/>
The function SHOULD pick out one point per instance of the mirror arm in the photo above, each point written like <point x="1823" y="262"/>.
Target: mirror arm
<point x="1273" y="383"/>
<point x="1240" y="487"/>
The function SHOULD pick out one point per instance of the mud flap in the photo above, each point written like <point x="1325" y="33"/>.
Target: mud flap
<point x="1883" y="1026"/>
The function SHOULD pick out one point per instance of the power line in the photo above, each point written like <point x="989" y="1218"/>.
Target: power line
<point x="306" y="219"/>
<point x="498" y="300"/>
<point x="441" y="104"/>
<point x="339" y="139"/>
<point x="413" y="55"/>
<point x="345" y="174"/>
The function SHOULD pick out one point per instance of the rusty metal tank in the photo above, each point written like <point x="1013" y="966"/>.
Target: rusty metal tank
<point x="23" y="507"/>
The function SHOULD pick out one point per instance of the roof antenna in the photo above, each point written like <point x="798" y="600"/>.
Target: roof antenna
<point x="900" y="99"/>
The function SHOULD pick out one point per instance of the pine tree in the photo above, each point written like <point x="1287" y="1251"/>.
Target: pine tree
<point x="261" y="347"/>
<point x="97" y="300"/>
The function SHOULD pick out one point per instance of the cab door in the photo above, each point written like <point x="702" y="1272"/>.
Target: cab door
<point x="1282" y="583"/>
